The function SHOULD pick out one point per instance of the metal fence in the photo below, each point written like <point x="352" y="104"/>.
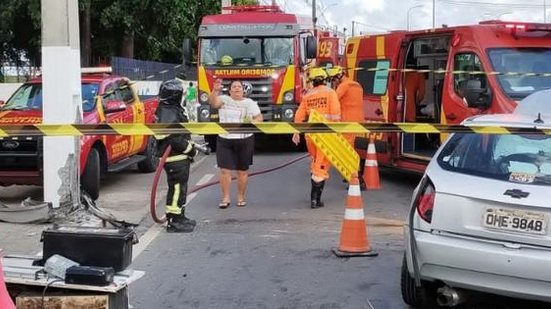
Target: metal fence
<point x="151" y="70"/>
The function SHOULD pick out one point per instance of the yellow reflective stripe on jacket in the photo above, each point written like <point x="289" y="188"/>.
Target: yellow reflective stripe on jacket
<point x="159" y="137"/>
<point x="176" y="158"/>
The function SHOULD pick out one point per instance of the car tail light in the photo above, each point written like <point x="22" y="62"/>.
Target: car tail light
<point x="424" y="202"/>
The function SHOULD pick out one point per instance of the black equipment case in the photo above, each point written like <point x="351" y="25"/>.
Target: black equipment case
<point x="90" y="246"/>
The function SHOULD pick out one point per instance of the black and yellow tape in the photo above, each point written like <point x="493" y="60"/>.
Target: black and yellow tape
<point x="263" y="127"/>
<point x="453" y="72"/>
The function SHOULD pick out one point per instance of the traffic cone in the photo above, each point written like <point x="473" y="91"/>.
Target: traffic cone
<point x="371" y="168"/>
<point x="353" y="241"/>
<point x="5" y="299"/>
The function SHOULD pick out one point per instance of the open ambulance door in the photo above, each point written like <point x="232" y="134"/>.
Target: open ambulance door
<point x="423" y="92"/>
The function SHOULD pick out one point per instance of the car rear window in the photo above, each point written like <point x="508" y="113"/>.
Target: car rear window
<point x="515" y="158"/>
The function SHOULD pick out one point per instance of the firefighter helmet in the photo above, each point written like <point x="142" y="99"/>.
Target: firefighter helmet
<point x="336" y="71"/>
<point x="171" y="92"/>
<point x="317" y="74"/>
<point x="226" y="60"/>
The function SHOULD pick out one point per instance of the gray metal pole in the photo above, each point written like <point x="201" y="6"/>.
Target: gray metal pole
<point x="62" y="102"/>
<point x="314" y="18"/>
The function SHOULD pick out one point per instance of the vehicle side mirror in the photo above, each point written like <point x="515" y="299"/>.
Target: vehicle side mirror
<point x="476" y="95"/>
<point x="186" y="51"/>
<point x="311" y="47"/>
<point x="114" y="106"/>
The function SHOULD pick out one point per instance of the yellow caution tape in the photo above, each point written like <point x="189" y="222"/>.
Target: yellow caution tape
<point x="202" y="128"/>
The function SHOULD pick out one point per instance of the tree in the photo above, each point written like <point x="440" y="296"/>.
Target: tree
<point x="20" y="31"/>
<point x="151" y="30"/>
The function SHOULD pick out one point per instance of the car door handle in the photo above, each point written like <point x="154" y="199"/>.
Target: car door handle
<point x="451" y="116"/>
<point x="378" y="112"/>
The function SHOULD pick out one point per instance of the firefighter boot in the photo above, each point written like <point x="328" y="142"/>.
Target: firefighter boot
<point x="315" y="194"/>
<point x="178" y="224"/>
<point x="186" y="219"/>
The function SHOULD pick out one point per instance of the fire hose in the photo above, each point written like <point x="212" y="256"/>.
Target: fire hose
<point x="153" y="204"/>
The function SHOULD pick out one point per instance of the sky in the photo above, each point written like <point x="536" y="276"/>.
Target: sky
<point x="372" y="16"/>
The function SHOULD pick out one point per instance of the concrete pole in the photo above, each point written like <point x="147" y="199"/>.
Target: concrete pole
<point x="314" y="17"/>
<point x="226" y="3"/>
<point x="61" y="99"/>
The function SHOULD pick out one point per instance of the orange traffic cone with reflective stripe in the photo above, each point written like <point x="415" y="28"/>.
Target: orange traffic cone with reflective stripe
<point x="354" y="241"/>
<point x="371" y="168"/>
<point x="5" y="299"/>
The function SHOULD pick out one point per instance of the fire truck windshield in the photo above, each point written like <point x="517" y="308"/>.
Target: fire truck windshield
<point x="29" y="96"/>
<point x="522" y="61"/>
<point x="272" y="51"/>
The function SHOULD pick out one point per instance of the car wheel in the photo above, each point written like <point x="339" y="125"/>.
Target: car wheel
<point x="90" y="178"/>
<point x="151" y="161"/>
<point x="211" y="140"/>
<point x="417" y="297"/>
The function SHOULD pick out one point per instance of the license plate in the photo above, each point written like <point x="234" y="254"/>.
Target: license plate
<point x="516" y="220"/>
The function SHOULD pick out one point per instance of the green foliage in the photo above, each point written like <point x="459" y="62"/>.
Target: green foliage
<point x="157" y="26"/>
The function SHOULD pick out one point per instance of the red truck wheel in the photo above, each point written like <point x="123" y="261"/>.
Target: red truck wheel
<point x="151" y="161"/>
<point x="90" y="178"/>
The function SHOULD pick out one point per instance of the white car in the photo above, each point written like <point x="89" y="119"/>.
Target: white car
<point x="480" y="215"/>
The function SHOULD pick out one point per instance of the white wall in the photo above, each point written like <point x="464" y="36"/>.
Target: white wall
<point x="7" y="89"/>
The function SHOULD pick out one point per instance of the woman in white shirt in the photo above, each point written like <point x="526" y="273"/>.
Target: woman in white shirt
<point x="234" y="151"/>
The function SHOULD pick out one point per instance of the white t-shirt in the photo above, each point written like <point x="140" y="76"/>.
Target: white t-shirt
<point x="233" y="111"/>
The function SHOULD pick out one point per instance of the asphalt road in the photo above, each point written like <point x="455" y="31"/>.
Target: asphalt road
<point x="274" y="253"/>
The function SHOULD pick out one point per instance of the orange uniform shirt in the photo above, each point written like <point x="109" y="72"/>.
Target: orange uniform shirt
<point x="415" y="93"/>
<point x="324" y="100"/>
<point x="350" y="95"/>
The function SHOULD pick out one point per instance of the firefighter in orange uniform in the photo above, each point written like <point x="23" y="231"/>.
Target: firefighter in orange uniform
<point x="325" y="101"/>
<point x="415" y="93"/>
<point x="350" y="94"/>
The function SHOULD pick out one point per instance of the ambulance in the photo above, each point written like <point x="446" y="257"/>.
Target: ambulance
<point x="443" y="76"/>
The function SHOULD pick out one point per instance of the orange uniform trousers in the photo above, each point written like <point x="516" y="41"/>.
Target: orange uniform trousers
<point x="325" y="101"/>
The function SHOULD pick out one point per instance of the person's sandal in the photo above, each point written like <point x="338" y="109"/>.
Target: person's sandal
<point x="241" y="203"/>
<point x="224" y="205"/>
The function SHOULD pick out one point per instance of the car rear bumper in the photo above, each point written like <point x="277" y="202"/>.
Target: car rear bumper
<point x="484" y="265"/>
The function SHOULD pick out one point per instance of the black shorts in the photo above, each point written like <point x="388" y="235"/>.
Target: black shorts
<point x="235" y="154"/>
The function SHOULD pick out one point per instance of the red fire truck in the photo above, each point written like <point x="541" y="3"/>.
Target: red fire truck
<point x="442" y="77"/>
<point x="106" y="98"/>
<point x="264" y="47"/>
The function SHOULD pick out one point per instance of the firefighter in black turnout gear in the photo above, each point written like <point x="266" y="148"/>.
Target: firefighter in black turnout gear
<point x="178" y="163"/>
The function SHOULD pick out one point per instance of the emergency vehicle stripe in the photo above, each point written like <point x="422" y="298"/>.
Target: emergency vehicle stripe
<point x="384" y="106"/>
<point x="380" y="47"/>
<point x="260" y="127"/>
<point x="288" y="83"/>
<point x="354" y="214"/>
<point x="202" y="80"/>
<point x="351" y="57"/>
